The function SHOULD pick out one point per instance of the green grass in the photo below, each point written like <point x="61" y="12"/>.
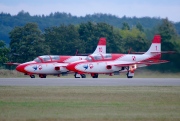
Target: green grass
<point x="90" y="103"/>
<point x="4" y="73"/>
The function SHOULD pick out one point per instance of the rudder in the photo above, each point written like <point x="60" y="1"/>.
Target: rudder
<point x="155" y="48"/>
<point x="101" y="47"/>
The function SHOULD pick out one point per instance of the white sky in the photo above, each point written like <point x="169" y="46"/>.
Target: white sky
<point x="129" y="8"/>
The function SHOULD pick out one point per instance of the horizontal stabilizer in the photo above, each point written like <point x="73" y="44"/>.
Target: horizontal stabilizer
<point x="147" y="62"/>
<point x="168" y="52"/>
<point x="137" y="52"/>
<point x="162" y="52"/>
<point x="150" y="62"/>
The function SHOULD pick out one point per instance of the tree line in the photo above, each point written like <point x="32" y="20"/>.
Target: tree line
<point x="29" y="41"/>
<point x="8" y="21"/>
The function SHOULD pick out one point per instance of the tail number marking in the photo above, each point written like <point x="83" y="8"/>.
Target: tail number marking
<point x="100" y="49"/>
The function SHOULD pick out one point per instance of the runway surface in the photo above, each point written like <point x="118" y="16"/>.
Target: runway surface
<point x="90" y="82"/>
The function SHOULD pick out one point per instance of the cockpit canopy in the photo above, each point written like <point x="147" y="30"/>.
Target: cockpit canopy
<point x="99" y="57"/>
<point x="47" y="58"/>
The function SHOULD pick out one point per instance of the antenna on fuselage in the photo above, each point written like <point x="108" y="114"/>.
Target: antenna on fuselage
<point x="129" y="51"/>
<point x="76" y="52"/>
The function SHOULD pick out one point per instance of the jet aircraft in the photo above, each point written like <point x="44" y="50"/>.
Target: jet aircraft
<point x="55" y="64"/>
<point x="103" y="63"/>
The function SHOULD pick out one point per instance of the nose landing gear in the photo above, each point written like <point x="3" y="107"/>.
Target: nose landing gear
<point x="76" y="75"/>
<point x="32" y="76"/>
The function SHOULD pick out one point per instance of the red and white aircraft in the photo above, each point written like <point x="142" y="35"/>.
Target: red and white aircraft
<point x="115" y="63"/>
<point x="55" y="64"/>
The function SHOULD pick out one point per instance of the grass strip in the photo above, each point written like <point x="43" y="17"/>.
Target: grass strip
<point x="89" y="103"/>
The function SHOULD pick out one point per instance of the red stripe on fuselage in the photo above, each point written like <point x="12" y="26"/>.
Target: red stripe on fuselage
<point x="64" y="58"/>
<point x="72" y="66"/>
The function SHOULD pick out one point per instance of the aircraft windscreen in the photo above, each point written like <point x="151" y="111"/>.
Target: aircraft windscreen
<point x="88" y="58"/>
<point x="97" y="57"/>
<point x="45" y="58"/>
<point x="37" y="60"/>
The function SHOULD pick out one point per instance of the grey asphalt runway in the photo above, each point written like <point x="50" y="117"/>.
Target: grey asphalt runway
<point x="90" y="82"/>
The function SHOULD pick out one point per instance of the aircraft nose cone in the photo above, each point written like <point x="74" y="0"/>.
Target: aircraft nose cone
<point x="72" y="66"/>
<point x="20" y="68"/>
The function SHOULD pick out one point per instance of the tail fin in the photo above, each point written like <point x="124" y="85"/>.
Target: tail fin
<point x="101" y="47"/>
<point x="155" y="48"/>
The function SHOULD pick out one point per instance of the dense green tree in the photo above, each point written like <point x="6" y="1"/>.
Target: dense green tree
<point x="134" y="39"/>
<point x="63" y="40"/>
<point x="170" y="42"/>
<point x="91" y="32"/>
<point x="177" y="26"/>
<point x="27" y="42"/>
<point x="89" y="35"/>
<point x="125" y="26"/>
<point x="4" y="51"/>
<point x="8" y="22"/>
<point x="167" y="30"/>
<point x="140" y="27"/>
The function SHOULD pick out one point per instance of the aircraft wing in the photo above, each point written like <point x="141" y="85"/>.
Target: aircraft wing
<point x="125" y="63"/>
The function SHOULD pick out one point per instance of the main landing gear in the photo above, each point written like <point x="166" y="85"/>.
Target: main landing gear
<point x="76" y="75"/>
<point x="94" y="75"/>
<point x="130" y="73"/>
<point x="40" y="76"/>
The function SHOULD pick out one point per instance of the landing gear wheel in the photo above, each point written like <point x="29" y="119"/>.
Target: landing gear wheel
<point x="83" y="75"/>
<point x="94" y="75"/>
<point x="32" y="76"/>
<point x="42" y="75"/>
<point x="129" y="75"/>
<point x="76" y="75"/>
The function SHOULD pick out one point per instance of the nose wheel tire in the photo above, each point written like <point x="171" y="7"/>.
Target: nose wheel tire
<point x="32" y="76"/>
<point x="83" y="75"/>
<point x="76" y="75"/>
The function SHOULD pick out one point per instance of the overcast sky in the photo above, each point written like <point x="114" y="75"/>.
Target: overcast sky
<point x="129" y="8"/>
